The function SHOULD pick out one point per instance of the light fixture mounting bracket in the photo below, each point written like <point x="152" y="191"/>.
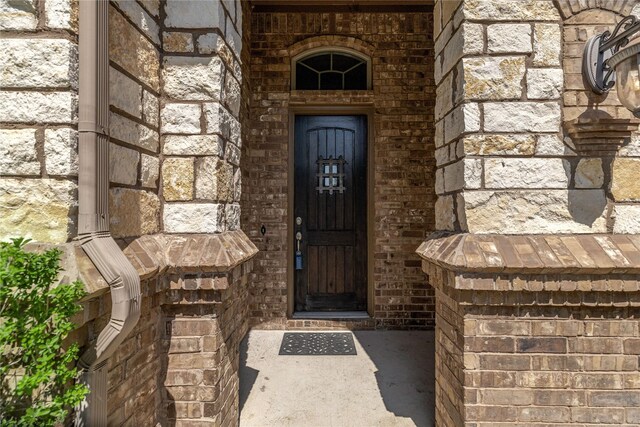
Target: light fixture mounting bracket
<point x="600" y="48"/>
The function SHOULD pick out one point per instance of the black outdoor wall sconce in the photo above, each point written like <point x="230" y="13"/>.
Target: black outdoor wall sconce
<point x="607" y="62"/>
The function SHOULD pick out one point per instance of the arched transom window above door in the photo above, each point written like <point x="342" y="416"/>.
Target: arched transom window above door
<point x="331" y="69"/>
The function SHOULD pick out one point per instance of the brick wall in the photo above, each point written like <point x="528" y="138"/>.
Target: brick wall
<point x="402" y="96"/>
<point x="202" y="334"/>
<point x="551" y="343"/>
<point x="180" y="364"/>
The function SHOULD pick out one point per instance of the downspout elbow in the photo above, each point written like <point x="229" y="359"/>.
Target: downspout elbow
<point x="124" y="283"/>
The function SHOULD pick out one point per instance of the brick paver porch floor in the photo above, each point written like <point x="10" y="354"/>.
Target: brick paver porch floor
<point x="389" y="383"/>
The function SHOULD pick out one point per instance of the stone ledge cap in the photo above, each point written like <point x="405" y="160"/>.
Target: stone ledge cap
<point x="188" y="253"/>
<point x="152" y="255"/>
<point x="534" y="254"/>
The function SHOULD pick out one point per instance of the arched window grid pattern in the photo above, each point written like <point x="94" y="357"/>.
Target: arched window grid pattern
<point x="331" y="68"/>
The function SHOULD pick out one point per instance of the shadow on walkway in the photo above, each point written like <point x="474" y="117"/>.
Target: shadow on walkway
<point x="405" y="372"/>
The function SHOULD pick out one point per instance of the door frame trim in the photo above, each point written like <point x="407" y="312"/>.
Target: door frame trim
<point x="331" y="110"/>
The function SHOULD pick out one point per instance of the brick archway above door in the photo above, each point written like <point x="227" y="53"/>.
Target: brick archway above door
<point x="333" y="41"/>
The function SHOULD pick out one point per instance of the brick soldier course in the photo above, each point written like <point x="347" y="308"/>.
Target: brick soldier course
<point x="504" y="214"/>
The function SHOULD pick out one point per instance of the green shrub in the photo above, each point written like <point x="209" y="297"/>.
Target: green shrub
<point x="37" y="374"/>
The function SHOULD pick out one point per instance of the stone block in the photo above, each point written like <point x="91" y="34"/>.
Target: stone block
<point x="472" y="173"/>
<point x="40" y="209"/>
<point x="149" y="171"/>
<point x="18" y="152"/>
<point x="61" y="14"/>
<point x="124" y="39"/>
<point x="522" y="117"/>
<point x="133" y="212"/>
<point x="180" y="118"/>
<point x="193" y="145"/>
<point x="38" y="107"/>
<point x="234" y="38"/>
<point x="177" y="42"/>
<point x="150" y="108"/>
<point x="193" y="78"/>
<point x="125" y="93"/>
<point x="123" y="165"/>
<point x="544" y="83"/>
<point x="527" y="173"/>
<point x="468" y="40"/>
<point x="177" y="179"/>
<point x="625" y="185"/>
<point x="444" y="96"/>
<point x="208" y="43"/>
<point x="232" y="216"/>
<point x="152" y="6"/>
<point x="232" y="94"/>
<point x="237" y="185"/>
<point x="536" y="211"/>
<point x="214" y="179"/>
<point x="194" y="14"/>
<point x="509" y="38"/>
<point x="18" y="15"/>
<point x="221" y="122"/>
<point x="626" y="219"/>
<point x="232" y="154"/>
<point x="552" y="145"/>
<point x="589" y="173"/>
<point x="500" y="145"/>
<point x="511" y="10"/>
<point x="547" y="45"/>
<point x="445" y="213"/>
<point x="41" y="63"/>
<point x="125" y="130"/>
<point x="632" y="149"/>
<point x="140" y="18"/>
<point x="454" y="176"/>
<point x="194" y="218"/>
<point x="493" y="77"/>
<point x="61" y="151"/>
<point x="463" y="119"/>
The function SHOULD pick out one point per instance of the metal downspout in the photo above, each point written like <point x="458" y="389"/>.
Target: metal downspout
<point x="93" y="220"/>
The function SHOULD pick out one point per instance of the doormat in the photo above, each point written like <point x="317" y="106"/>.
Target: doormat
<point x="317" y="344"/>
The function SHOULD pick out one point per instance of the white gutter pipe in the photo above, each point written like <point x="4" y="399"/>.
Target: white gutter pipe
<point x="93" y="218"/>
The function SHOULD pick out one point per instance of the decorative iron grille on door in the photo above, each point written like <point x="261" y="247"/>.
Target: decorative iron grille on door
<point x="330" y="175"/>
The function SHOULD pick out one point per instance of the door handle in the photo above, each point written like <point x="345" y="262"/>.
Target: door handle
<point x="298" y="239"/>
<point x="298" y="251"/>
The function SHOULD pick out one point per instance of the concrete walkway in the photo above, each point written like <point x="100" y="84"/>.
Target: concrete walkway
<point x="389" y="383"/>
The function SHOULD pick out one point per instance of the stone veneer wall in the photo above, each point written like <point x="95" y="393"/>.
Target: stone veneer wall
<point x="134" y="85"/>
<point x="202" y="73"/>
<point x="400" y="47"/>
<point x="175" y="79"/>
<point x="508" y="75"/>
<point x="38" y="118"/>
<point x="536" y="330"/>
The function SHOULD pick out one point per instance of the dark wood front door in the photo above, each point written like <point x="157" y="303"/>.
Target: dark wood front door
<point x="330" y="213"/>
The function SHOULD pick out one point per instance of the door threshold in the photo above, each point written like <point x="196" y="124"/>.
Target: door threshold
<point x="331" y="315"/>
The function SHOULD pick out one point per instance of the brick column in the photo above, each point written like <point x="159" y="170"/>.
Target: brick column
<point x="536" y="329"/>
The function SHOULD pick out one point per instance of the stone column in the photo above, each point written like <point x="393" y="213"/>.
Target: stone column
<point x="536" y="305"/>
<point x="200" y="116"/>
